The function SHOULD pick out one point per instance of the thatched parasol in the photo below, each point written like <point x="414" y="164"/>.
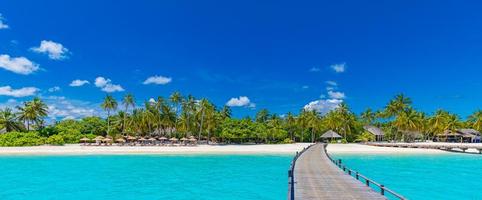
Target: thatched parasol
<point x="107" y="140"/>
<point x="142" y="139"/>
<point x="98" y="138"/>
<point x="183" y="139"/>
<point x="120" y="140"/>
<point x="192" y="139"/>
<point x="152" y="139"/>
<point x="131" y="138"/>
<point x="84" y="139"/>
<point x="173" y="139"/>
<point x="163" y="138"/>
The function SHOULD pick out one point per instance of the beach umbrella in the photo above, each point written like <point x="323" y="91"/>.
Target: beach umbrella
<point x="163" y="138"/>
<point x="131" y="138"/>
<point x="99" y="138"/>
<point x="183" y="139"/>
<point x="173" y="139"/>
<point x="120" y="140"/>
<point x="84" y="139"/>
<point x="152" y="139"/>
<point x="107" y="140"/>
<point x="142" y="139"/>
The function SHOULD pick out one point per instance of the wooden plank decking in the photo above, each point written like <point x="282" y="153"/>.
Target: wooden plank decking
<point x="316" y="177"/>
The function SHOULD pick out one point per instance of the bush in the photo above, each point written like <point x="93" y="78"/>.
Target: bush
<point x="21" y="139"/>
<point x="56" y="140"/>
<point x="287" y="141"/>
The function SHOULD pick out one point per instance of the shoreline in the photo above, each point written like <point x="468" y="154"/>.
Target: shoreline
<point x="79" y="150"/>
<point x="362" y="149"/>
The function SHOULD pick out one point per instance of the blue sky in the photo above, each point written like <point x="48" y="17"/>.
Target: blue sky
<point x="279" y="55"/>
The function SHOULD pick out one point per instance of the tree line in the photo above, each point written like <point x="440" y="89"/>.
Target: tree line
<point x="183" y="116"/>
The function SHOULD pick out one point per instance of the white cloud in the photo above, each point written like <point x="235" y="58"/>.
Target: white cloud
<point x="19" y="65"/>
<point x="22" y="92"/>
<point x="332" y="83"/>
<point x="106" y="85"/>
<point x="240" y="102"/>
<point x="3" y="25"/>
<point x="56" y="51"/>
<point x="336" y="95"/>
<point x="54" y="89"/>
<point x="314" y="69"/>
<point x="152" y="100"/>
<point x="60" y="107"/>
<point x="339" y="68"/>
<point x="158" y="80"/>
<point x="323" y="106"/>
<point x="78" y="83"/>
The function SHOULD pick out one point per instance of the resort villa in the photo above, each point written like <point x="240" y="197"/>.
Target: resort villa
<point x="460" y="135"/>
<point x="377" y="132"/>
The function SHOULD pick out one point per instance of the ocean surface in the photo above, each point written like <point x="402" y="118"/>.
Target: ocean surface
<point x="210" y="177"/>
<point x="423" y="177"/>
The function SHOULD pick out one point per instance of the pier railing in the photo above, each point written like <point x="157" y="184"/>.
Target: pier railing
<point x="368" y="182"/>
<point x="291" y="176"/>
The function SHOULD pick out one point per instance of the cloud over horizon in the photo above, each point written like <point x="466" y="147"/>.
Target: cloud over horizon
<point x="3" y="25"/>
<point x="54" y="50"/>
<point x="242" y="101"/>
<point x="339" y="68"/>
<point x="21" y="92"/>
<point x="78" y="83"/>
<point x="107" y="86"/>
<point x="158" y="80"/>
<point x="19" y="65"/>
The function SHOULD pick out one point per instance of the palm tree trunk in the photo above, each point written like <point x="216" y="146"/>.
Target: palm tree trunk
<point x="201" y="127"/>
<point x="108" y="122"/>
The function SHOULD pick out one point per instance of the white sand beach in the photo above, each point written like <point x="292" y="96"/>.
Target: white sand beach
<point x="77" y="149"/>
<point x="366" y="149"/>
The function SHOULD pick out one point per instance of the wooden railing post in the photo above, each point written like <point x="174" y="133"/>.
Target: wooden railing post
<point x="356" y="175"/>
<point x="382" y="190"/>
<point x="367" y="183"/>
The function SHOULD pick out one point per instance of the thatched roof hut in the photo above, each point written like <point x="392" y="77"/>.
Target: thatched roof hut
<point x="330" y="135"/>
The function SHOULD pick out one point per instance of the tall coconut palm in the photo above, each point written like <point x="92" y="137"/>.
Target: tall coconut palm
<point x="109" y="105"/>
<point x="203" y="108"/>
<point x="397" y="105"/>
<point x="41" y="110"/>
<point x="26" y="113"/>
<point x="8" y="120"/>
<point x="475" y="120"/>
<point x="127" y="101"/>
<point x="226" y="112"/>
<point x="176" y="99"/>
<point x="368" y="116"/>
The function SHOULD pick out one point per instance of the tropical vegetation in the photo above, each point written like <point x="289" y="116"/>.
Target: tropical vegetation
<point x="184" y="116"/>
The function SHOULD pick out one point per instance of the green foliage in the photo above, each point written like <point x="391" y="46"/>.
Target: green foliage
<point x="21" y="139"/>
<point x="55" y="140"/>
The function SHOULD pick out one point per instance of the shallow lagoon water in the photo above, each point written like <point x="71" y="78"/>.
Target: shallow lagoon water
<point x="209" y="177"/>
<point x="425" y="177"/>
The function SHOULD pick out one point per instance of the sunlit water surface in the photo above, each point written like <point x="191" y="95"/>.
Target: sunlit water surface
<point x="425" y="177"/>
<point x="210" y="177"/>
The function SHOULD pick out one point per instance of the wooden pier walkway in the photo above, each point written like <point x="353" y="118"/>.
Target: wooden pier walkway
<point x="316" y="177"/>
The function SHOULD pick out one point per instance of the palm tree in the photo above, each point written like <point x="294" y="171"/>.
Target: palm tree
<point x="109" y="105"/>
<point x="8" y="121"/>
<point x="176" y="99"/>
<point x="475" y="120"/>
<point x="397" y="105"/>
<point x="127" y="101"/>
<point x="203" y="106"/>
<point x="368" y="116"/>
<point x="26" y="113"/>
<point x="226" y="112"/>
<point x="41" y="110"/>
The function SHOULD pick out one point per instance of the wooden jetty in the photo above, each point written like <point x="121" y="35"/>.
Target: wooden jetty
<point x="455" y="147"/>
<point x="314" y="175"/>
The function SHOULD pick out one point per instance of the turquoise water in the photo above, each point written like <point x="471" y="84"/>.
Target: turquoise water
<point x="438" y="177"/>
<point x="214" y="177"/>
